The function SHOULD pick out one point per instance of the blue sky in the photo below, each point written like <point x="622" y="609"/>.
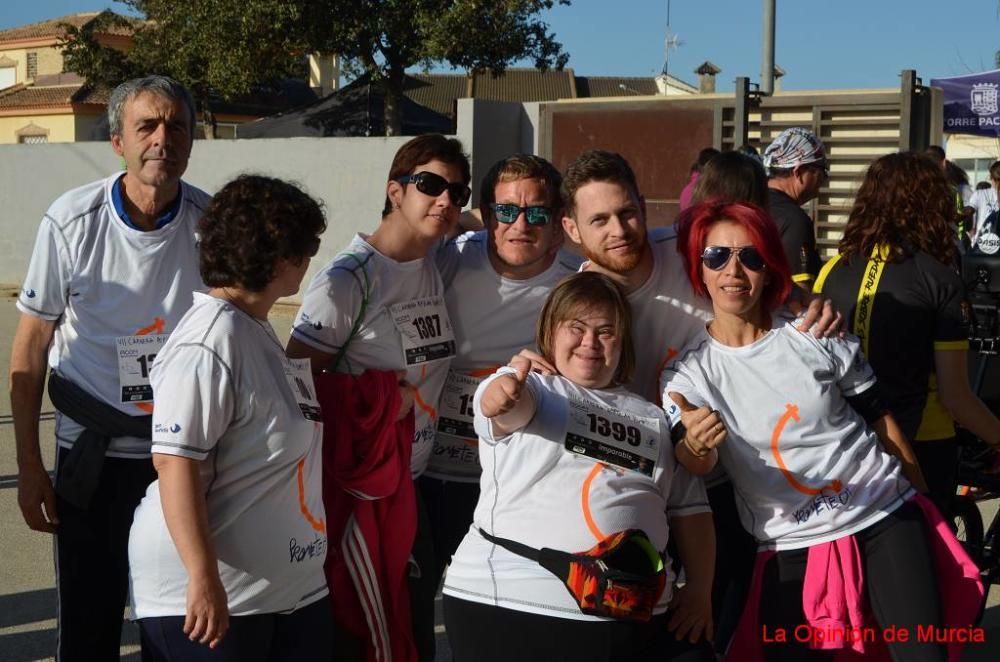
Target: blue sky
<point x="821" y="44"/>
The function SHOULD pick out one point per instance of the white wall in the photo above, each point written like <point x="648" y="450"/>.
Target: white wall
<point x="347" y="174"/>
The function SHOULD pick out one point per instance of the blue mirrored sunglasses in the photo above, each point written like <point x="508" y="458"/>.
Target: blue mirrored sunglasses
<point x="508" y="213"/>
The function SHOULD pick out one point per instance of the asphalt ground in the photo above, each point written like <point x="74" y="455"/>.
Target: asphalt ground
<point x="27" y="581"/>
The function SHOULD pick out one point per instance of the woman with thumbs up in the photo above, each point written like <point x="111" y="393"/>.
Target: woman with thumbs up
<point x="573" y="461"/>
<point x="823" y="477"/>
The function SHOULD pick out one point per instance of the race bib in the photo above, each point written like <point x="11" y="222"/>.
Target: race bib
<point x="135" y="358"/>
<point x="298" y="374"/>
<point x="612" y="436"/>
<point x="425" y="328"/>
<point x="455" y="406"/>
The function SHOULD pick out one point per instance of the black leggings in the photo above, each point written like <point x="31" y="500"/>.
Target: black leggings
<point x="484" y="633"/>
<point x="900" y="586"/>
<point x="938" y="462"/>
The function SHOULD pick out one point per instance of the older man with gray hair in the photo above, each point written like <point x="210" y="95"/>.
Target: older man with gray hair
<point x="113" y="270"/>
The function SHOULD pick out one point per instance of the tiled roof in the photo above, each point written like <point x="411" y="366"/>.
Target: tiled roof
<point x="524" y="85"/>
<point x="53" y="28"/>
<point x="34" y="96"/>
<point x="614" y="86"/>
<point x="436" y="91"/>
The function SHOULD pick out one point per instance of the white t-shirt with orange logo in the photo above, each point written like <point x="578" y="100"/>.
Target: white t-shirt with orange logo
<point x="805" y="467"/>
<point x="228" y="398"/>
<point x="116" y="293"/>
<point x="543" y="486"/>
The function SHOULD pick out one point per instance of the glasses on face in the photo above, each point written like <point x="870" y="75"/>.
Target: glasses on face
<point x="508" y="213"/>
<point x="434" y="185"/>
<point x="717" y="257"/>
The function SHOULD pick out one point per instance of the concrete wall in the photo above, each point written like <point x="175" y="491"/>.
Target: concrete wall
<point x="347" y="174"/>
<point x="490" y="131"/>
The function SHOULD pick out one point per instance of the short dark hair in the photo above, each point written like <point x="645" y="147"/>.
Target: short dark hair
<point x="732" y="177"/>
<point x="596" y="165"/>
<point x="424" y="149"/>
<point x="587" y="289"/>
<point x="704" y="156"/>
<point x="253" y="222"/>
<point x="935" y="152"/>
<point x="520" y="166"/>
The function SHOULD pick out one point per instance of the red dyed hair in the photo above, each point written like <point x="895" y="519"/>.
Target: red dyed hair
<point x="693" y="226"/>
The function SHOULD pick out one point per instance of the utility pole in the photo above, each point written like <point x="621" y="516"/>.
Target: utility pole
<point x="767" y="57"/>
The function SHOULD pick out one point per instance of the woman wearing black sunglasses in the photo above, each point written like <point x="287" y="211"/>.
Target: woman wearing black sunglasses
<point x="824" y="478"/>
<point x="380" y="306"/>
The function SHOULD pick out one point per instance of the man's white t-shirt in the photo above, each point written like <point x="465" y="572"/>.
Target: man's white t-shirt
<point x="115" y="293"/>
<point x="494" y="319"/>
<point x="805" y="467"/>
<point x="543" y="486"/>
<point x="984" y="201"/>
<point x="391" y="316"/>
<point x="228" y="398"/>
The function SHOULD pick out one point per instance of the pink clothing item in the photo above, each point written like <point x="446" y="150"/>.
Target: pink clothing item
<point x="688" y="191"/>
<point x="833" y="593"/>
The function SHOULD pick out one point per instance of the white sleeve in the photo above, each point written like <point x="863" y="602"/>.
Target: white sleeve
<point x="676" y="379"/>
<point x="195" y="401"/>
<point x="973" y="200"/>
<point x="687" y="494"/>
<point x="851" y="369"/>
<point x="45" y="292"/>
<point x="337" y="297"/>
<point x="482" y="424"/>
<point x="447" y="257"/>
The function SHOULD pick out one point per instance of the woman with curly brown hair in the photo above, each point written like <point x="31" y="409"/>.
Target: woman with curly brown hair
<point x="227" y="547"/>
<point x="894" y="275"/>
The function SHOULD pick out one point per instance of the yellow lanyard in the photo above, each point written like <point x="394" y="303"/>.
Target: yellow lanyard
<point x="866" y="294"/>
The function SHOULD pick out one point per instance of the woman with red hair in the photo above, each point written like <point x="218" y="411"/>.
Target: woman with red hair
<point x="823" y="477"/>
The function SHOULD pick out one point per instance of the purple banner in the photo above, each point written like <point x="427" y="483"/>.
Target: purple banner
<point x="970" y="103"/>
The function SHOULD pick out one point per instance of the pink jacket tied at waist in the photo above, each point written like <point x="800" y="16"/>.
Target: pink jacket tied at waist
<point x="833" y="594"/>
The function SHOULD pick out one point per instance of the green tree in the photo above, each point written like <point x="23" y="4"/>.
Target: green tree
<point x="219" y="49"/>
<point x="389" y="36"/>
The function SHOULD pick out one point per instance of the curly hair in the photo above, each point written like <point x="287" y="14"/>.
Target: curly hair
<point x="251" y="224"/>
<point x="906" y="204"/>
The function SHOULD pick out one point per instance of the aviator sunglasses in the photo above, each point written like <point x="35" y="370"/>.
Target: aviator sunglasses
<point x="434" y="185"/>
<point x="717" y="257"/>
<point x="508" y="213"/>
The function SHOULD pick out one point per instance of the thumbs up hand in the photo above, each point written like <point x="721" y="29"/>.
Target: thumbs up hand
<point x="705" y="429"/>
<point x="505" y="391"/>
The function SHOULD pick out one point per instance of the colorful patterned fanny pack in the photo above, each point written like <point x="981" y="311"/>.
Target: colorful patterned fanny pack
<point x="621" y="577"/>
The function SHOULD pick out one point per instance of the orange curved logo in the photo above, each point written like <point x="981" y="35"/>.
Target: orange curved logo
<point x="318" y="524"/>
<point x="157" y="326"/>
<point x="792" y="413"/>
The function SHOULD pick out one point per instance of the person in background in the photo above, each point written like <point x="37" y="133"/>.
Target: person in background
<point x="732" y="176"/>
<point x="797" y="169"/>
<point x="895" y="279"/>
<point x="226" y="551"/>
<point x="984" y="207"/>
<point x="112" y="273"/>
<point x="380" y="305"/>
<point x="704" y="156"/>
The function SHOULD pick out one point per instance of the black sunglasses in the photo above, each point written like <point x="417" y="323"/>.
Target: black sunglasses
<point x="508" y="213"/>
<point x="434" y="185"/>
<point x="717" y="257"/>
